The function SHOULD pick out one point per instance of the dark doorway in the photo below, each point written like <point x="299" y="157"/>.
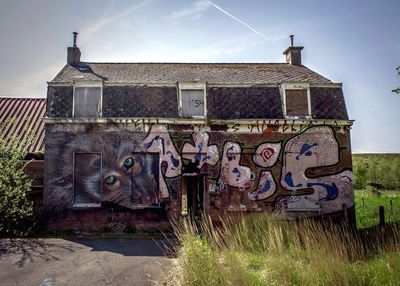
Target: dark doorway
<point x="195" y="195"/>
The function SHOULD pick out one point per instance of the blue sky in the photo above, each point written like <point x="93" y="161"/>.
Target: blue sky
<point x="353" y="42"/>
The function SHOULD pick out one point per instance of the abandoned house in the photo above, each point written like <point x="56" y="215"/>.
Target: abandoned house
<point x="137" y="144"/>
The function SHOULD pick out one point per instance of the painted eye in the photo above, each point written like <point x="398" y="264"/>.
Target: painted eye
<point x="128" y="163"/>
<point x="110" y="180"/>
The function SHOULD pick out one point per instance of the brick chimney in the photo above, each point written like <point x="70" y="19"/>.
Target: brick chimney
<point x="293" y="54"/>
<point x="73" y="53"/>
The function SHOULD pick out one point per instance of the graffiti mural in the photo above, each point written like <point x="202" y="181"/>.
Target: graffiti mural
<point x="159" y="141"/>
<point x="102" y="169"/>
<point x="232" y="173"/>
<point x="266" y="187"/>
<point x="285" y="173"/>
<point x="267" y="154"/>
<point x="316" y="147"/>
<point x="200" y="153"/>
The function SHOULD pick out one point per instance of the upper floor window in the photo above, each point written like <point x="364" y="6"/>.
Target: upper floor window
<point x="192" y="100"/>
<point x="296" y="100"/>
<point x="87" y="101"/>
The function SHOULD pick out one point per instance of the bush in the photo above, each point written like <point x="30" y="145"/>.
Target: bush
<point x="16" y="211"/>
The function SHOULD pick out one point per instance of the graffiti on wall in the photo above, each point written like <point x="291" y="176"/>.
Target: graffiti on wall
<point x="200" y="152"/>
<point x="134" y="169"/>
<point x="159" y="141"/>
<point x="93" y="169"/>
<point x="266" y="187"/>
<point x="266" y="154"/>
<point x="232" y="172"/>
<point x="316" y="147"/>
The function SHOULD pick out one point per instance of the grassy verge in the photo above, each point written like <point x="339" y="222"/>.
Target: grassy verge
<point x="261" y="251"/>
<point x="367" y="206"/>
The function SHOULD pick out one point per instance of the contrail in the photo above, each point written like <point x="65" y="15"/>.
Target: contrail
<point x="243" y="23"/>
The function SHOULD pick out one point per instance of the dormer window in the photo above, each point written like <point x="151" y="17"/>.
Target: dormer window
<point x="87" y="101"/>
<point x="296" y="100"/>
<point x="192" y="100"/>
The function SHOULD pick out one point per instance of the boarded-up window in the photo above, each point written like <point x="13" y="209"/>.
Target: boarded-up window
<point x="87" y="179"/>
<point x="192" y="102"/>
<point x="296" y="102"/>
<point x="87" y="101"/>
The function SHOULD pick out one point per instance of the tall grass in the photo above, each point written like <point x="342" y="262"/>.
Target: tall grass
<point x="258" y="250"/>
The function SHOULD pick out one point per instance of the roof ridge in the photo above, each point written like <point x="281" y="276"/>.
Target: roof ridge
<point x="189" y="63"/>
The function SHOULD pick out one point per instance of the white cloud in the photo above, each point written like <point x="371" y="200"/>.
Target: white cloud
<point x="195" y="10"/>
<point x="92" y="29"/>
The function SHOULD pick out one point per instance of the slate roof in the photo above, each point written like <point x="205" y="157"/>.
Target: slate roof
<point x="167" y="73"/>
<point x="28" y="114"/>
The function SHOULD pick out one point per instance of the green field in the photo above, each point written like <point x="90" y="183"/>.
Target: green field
<point x="377" y="183"/>
<point x="368" y="202"/>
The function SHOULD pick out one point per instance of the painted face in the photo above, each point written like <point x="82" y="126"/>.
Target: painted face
<point x="130" y="181"/>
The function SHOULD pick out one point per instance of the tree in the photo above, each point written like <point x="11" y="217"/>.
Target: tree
<point x="397" y="90"/>
<point x="16" y="211"/>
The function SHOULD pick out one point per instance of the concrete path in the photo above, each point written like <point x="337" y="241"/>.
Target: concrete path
<point x="48" y="262"/>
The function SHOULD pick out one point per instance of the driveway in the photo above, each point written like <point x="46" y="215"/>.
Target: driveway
<point x="53" y="261"/>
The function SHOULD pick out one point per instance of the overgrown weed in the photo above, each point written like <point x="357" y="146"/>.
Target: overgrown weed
<point x="260" y="250"/>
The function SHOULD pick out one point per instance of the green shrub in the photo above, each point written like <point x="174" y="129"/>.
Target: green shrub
<point x="16" y="211"/>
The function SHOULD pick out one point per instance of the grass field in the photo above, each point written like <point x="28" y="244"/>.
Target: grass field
<point x="367" y="206"/>
<point x="377" y="183"/>
<point x="261" y="251"/>
<point x="258" y="250"/>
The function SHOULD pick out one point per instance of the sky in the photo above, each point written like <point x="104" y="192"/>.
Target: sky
<point x="356" y="43"/>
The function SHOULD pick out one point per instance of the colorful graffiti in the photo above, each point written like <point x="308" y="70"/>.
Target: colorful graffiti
<point x="131" y="168"/>
<point x="200" y="152"/>
<point x="159" y="141"/>
<point x="267" y="154"/>
<point x="316" y="147"/>
<point x="266" y="187"/>
<point x="232" y="173"/>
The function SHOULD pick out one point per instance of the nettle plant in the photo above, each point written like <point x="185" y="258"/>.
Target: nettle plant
<point x="16" y="211"/>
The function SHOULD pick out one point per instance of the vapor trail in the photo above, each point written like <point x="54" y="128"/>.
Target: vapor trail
<point x="243" y="23"/>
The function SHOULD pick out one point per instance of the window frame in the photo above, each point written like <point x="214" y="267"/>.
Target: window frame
<point x="296" y="86"/>
<point x="87" y="84"/>
<point x="192" y="86"/>
<point x="85" y="205"/>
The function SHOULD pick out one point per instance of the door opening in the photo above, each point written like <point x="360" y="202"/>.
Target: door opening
<point x="194" y="194"/>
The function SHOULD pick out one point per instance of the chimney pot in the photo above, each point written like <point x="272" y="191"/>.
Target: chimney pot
<point x="75" y="35"/>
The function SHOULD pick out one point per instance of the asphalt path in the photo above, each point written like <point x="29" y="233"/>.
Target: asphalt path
<point x="79" y="261"/>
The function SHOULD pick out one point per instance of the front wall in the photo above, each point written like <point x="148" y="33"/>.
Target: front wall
<point x="288" y="170"/>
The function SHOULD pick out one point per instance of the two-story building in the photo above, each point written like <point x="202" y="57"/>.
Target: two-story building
<point x="138" y="144"/>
